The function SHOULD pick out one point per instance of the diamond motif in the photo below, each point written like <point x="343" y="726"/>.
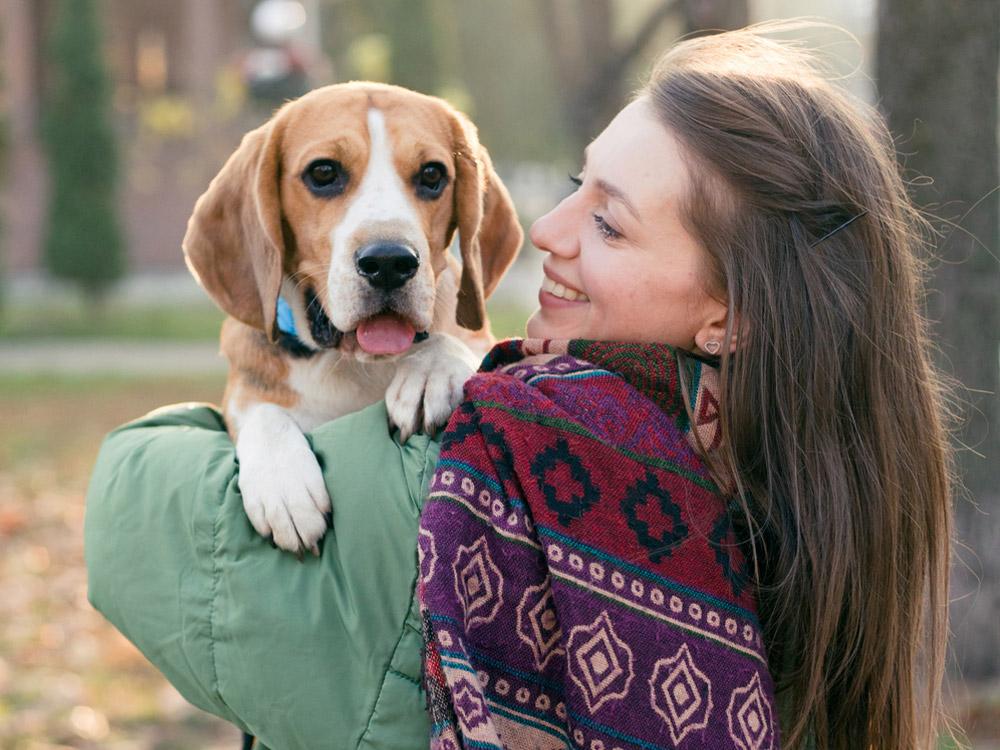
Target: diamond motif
<point x="565" y="482"/>
<point x="750" y="717"/>
<point x="426" y="554"/>
<point x="600" y="662"/>
<point x="478" y="583"/>
<point x="537" y="623"/>
<point x="681" y="694"/>
<point x="468" y="705"/>
<point x="735" y="566"/>
<point x="647" y="494"/>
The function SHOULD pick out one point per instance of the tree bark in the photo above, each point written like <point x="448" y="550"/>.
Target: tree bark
<point x="937" y="76"/>
<point x="589" y="64"/>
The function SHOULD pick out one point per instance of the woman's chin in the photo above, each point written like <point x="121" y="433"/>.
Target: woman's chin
<point x="538" y="327"/>
<point x="535" y="328"/>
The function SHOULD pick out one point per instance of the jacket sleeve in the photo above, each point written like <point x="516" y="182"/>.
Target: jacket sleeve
<point x="319" y="653"/>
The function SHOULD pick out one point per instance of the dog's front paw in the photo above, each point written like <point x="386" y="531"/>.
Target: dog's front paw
<point x="284" y="494"/>
<point x="428" y="384"/>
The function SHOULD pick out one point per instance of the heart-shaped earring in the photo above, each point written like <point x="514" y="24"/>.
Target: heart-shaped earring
<point x="712" y="347"/>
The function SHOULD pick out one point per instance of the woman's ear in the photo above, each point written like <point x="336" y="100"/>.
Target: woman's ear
<point x="234" y="244"/>
<point x="711" y="338"/>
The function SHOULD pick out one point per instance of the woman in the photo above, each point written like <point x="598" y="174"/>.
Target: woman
<point x="743" y="227"/>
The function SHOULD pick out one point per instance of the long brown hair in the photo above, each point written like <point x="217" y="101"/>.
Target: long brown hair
<point x="832" y="413"/>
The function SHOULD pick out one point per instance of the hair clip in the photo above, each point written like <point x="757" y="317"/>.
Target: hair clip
<point x="828" y="235"/>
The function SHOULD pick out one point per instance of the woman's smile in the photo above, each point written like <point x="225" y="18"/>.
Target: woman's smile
<point x="556" y="292"/>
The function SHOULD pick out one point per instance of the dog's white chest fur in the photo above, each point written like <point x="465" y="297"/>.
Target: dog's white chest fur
<point x="331" y="385"/>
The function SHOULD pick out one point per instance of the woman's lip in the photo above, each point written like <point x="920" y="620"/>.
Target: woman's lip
<point x="558" y="279"/>
<point x="547" y="299"/>
<point x="558" y="287"/>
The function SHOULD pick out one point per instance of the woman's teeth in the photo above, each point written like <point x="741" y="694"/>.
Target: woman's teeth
<point x="558" y="290"/>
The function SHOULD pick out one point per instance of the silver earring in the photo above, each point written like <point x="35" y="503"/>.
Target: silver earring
<point x="712" y="347"/>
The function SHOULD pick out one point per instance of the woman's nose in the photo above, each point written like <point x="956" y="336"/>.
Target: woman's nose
<point x="553" y="233"/>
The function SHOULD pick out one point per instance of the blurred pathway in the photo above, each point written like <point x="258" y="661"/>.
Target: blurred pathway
<point x="75" y="356"/>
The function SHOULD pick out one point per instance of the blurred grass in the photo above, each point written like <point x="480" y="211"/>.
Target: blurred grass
<point x="190" y="322"/>
<point x="60" y="419"/>
<point x="507" y="321"/>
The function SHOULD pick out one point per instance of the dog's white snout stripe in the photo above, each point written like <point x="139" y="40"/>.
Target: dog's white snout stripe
<point x="383" y="210"/>
<point x="382" y="200"/>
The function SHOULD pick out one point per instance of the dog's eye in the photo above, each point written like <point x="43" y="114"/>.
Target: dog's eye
<point x="431" y="180"/>
<point x="325" y="178"/>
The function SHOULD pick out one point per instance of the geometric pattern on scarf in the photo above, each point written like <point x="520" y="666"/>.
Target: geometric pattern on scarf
<point x="580" y="581"/>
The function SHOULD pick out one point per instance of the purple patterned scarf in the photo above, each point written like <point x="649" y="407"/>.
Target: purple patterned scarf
<point x="580" y="581"/>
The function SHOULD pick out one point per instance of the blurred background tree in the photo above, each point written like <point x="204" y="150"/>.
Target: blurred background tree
<point x="937" y="78"/>
<point x="4" y="145"/>
<point x="594" y="66"/>
<point x="488" y="59"/>
<point x="83" y="242"/>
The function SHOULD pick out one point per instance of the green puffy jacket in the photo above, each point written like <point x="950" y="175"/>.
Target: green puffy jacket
<point x="323" y="653"/>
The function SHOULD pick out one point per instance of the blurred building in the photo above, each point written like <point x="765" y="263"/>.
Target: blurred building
<point x="169" y="63"/>
<point x="183" y="76"/>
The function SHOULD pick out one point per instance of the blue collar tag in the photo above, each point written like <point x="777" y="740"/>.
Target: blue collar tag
<point x="286" y="321"/>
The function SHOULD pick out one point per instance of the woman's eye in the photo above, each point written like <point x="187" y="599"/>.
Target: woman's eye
<point x="325" y="178"/>
<point x="575" y="180"/>
<point x="606" y="230"/>
<point x="431" y="180"/>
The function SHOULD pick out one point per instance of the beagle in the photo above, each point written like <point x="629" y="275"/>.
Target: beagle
<point x="325" y="238"/>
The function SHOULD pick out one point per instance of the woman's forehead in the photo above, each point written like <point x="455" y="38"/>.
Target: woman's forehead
<point x="641" y="158"/>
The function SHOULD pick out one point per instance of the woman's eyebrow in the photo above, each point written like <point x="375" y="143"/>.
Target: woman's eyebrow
<point x="611" y="190"/>
<point x="618" y="194"/>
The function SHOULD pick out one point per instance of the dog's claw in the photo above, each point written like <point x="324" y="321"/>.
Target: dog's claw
<point x="428" y="385"/>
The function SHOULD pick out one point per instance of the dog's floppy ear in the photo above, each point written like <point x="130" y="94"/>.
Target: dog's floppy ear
<point x="234" y="244"/>
<point x="489" y="233"/>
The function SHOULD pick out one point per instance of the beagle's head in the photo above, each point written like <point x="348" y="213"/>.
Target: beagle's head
<point x="348" y="199"/>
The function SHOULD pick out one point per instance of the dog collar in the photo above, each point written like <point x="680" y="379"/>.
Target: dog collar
<point x="286" y="321"/>
<point x="322" y="330"/>
<point x="288" y="335"/>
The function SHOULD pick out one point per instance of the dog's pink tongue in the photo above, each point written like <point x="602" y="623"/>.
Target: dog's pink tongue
<point x="385" y="334"/>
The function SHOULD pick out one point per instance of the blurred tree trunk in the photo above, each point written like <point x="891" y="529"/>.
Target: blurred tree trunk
<point x="569" y="32"/>
<point x="591" y="65"/>
<point x="937" y="77"/>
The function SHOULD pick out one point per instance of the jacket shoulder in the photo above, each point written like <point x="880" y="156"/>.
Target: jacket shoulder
<point x="310" y="654"/>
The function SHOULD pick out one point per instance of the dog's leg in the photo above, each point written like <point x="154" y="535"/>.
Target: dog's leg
<point x="428" y="383"/>
<point x="283" y="490"/>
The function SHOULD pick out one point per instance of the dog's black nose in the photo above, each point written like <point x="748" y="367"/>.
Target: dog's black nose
<point x="387" y="265"/>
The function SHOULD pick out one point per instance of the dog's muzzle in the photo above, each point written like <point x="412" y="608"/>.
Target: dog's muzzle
<point x="387" y="265"/>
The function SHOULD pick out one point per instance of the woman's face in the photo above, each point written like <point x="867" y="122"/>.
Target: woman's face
<point x="621" y="266"/>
